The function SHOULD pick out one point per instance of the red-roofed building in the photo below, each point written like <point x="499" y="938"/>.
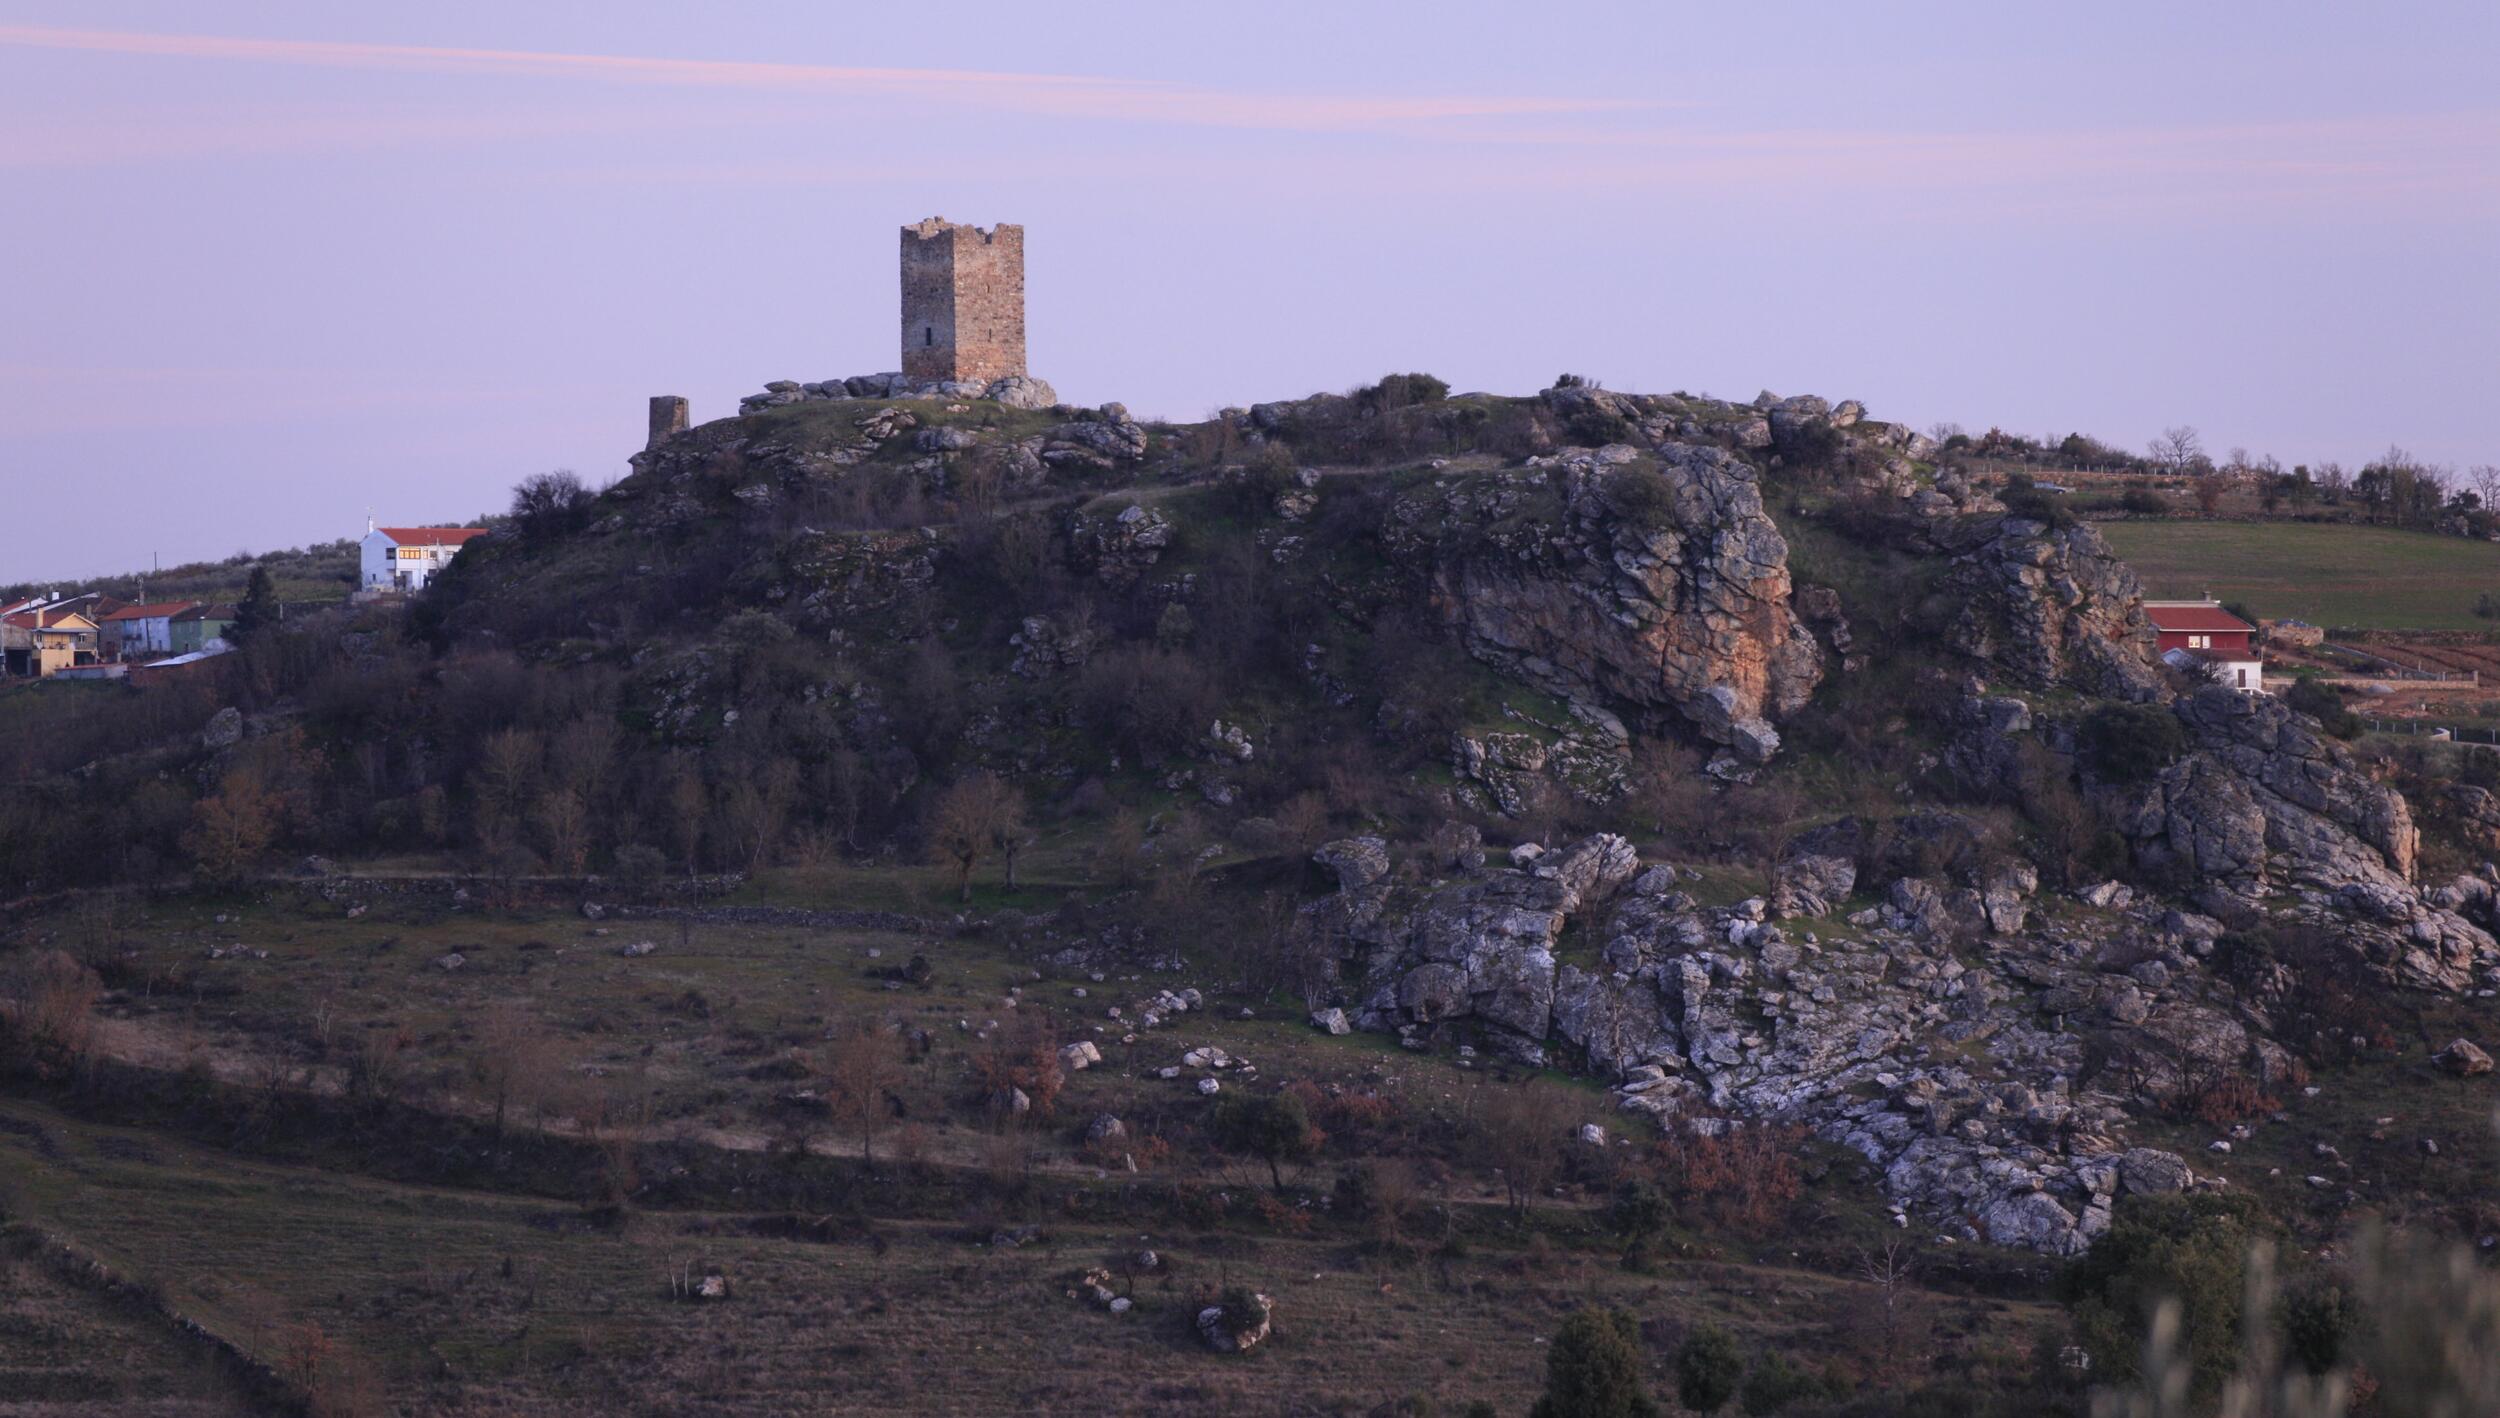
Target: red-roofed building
<point x="403" y="559"/>
<point x="2203" y="633"/>
<point x="134" y="631"/>
<point x="44" y="641"/>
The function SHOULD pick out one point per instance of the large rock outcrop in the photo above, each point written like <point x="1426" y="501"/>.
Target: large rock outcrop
<point x="1963" y="1085"/>
<point x="2050" y="607"/>
<point x="2263" y="800"/>
<point x="1651" y="584"/>
<point x="2264" y="805"/>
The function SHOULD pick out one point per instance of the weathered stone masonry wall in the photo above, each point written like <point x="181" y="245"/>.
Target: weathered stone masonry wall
<point x="963" y="301"/>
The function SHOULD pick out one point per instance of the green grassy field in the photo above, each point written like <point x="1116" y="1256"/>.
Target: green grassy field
<point x="2374" y="577"/>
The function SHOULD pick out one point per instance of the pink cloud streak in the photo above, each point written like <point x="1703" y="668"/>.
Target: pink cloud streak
<point x="1063" y="95"/>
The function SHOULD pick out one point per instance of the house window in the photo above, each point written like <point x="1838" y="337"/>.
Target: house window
<point x="2200" y="642"/>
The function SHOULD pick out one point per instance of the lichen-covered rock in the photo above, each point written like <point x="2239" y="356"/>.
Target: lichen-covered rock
<point x="853" y="579"/>
<point x="1019" y="391"/>
<point x="2051" y="607"/>
<point x="1815" y="874"/>
<point x="1485" y="950"/>
<point x="1237" y="1326"/>
<point x="224" y="729"/>
<point x="1652" y="589"/>
<point x="1045" y="646"/>
<point x="2464" y="1059"/>
<point x="1103" y="440"/>
<point x="1120" y="547"/>
<point x="2264" y="801"/>
<point x="1358" y="862"/>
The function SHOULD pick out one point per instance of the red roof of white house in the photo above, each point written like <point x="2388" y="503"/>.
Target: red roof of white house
<point x="2196" y="615"/>
<point x="151" y="612"/>
<point x="431" y="536"/>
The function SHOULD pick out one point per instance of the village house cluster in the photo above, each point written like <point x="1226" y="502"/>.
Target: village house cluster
<point x="96" y="636"/>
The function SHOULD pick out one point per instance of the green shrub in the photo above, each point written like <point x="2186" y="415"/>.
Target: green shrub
<point x="2320" y="1324"/>
<point x="2325" y="704"/>
<point x="2023" y="498"/>
<point x="1641" y="496"/>
<point x="1811" y="446"/>
<point x="1776" y="1383"/>
<point x="2129" y="743"/>
<point x="1397" y="391"/>
<point x="2179" y="1247"/>
<point x="1595" y="427"/>
<point x="1593" y="1369"/>
<point x="2144" y="502"/>
<point x="1275" y="1129"/>
<point x="1707" y="1369"/>
<point x="1639" y="1210"/>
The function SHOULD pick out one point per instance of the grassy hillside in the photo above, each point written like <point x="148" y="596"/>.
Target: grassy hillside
<point x="310" y="575"/>
<point x="2375" y="577"/>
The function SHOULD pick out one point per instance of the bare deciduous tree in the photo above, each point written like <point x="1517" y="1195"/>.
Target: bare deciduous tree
<point x="2179" y="449"/>
<point x="1889" y="1270"/>
<point x="978" y="816"/>
<point x="513" y="1061"/>
<point x="862" y="1068"/>
<point x="1520" y="1127"/>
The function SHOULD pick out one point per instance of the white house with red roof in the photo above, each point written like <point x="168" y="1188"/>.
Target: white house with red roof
<point x="403" y="559"/>
<point x="2202" y="633"/>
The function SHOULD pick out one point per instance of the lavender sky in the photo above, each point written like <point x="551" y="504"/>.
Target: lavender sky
<point x="270" y="265"/>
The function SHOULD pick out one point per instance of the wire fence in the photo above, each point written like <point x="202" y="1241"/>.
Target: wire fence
<point x="2392" y="667"/>
<point x="2453" y="733"/>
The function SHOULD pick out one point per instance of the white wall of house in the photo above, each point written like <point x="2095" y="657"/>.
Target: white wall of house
<point x="148" y="635"/>
<point x="376" y="563"/>
<point x="388" y="566"/>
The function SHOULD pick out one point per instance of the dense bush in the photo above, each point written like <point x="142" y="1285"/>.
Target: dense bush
<point x="1593" y="1369"/>
<point x="2325" y="704"/>
<point x="1641" y="495"/>
<point x="1811" y="446"/>
<point x="2024" y="498"/>
<point x="1707" y="1369"/>
<point x="2182" y="1247"/>
<point x="2130" y="743"/>
<point x="1776" y="1383"/>
<point x="1597" y="427"/>
<point x="1397" y="391"/>
<point x="547" y="505"/>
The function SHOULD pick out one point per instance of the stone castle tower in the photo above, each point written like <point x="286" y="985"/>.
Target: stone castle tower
<point x="963" y="301"/>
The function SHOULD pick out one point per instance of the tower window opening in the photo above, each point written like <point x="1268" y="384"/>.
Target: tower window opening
<point x="928" y="336"/>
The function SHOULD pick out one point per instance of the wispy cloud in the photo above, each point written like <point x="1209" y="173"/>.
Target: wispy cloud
<point x="1060" y="95"/>
<point x="157" y="135"/>
<point x="1479" y="142"/>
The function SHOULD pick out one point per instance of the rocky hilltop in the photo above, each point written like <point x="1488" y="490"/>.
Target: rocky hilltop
<point x="1743" y="754"/>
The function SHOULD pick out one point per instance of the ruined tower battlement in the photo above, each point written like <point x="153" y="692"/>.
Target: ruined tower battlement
<point x="963" y="301"/>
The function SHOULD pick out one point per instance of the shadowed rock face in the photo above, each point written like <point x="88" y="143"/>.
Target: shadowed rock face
<point x="2263" y="800"/>
<point x="2052" y="607"/>
<point x="1677" y="604"/>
